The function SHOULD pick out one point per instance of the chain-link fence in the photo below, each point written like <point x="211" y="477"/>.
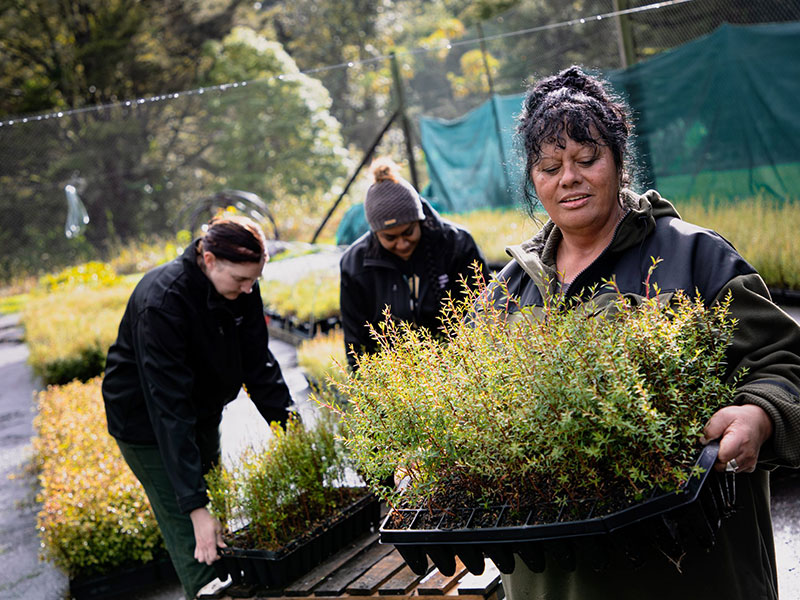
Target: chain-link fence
<point x="296" y="139"/>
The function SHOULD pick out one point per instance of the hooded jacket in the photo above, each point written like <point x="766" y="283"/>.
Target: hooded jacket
<point x="182" y="353"/>
<point x="373" y="278"/>
<point x="766" y="342"/>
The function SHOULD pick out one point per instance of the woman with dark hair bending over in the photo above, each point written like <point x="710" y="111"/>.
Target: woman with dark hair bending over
<point x="409" y="261"/>
<point x="575" y="135"/>
<point x="192" y="334"/>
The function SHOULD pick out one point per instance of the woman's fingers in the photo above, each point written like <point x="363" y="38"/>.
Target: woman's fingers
<point x="742" y="429"/>
<point x="207" y="536"/>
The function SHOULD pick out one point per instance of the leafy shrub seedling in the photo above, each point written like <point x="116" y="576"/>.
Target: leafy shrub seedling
<point x="547" y="405"/>
<point x="95" y="515"/>
<point x="276" y="494"/>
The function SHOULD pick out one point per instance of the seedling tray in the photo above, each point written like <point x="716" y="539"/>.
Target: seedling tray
<point x="272" y="570"/>
<point x="672" y="522"/>
<point x="303" y="329"/>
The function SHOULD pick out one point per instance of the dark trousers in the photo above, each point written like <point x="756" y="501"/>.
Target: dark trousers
<point x="176" y="527"/>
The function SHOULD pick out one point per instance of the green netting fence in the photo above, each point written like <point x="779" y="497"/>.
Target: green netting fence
<point x="716" y="118"/>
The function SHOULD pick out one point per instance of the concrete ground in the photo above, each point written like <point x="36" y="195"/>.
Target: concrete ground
<point x="23" y="576"/>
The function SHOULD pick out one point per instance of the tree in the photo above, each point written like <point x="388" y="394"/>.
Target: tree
<point x="322" y="33"/>
<point x="58" y="55"/>
<point x="274" y="135"/>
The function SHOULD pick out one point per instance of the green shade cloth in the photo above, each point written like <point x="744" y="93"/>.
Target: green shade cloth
<point x="715" y="118"/>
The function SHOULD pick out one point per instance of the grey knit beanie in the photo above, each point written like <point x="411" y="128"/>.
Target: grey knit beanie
<point x="391" y="200"/>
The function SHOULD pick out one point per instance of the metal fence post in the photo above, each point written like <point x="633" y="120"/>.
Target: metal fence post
<point x="401" y="107"/>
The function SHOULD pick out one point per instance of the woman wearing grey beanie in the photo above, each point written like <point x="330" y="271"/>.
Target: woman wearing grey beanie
<point x="409" y="261"/>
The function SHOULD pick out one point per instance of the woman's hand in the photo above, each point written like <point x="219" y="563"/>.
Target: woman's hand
<point x="743" y="429"/>
<point x="207" y="536"/>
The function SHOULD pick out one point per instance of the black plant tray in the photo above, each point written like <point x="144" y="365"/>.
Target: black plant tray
<point x="303" y="329"/>
<point x="272" y="570"/>
<point x="673" y="523"/>
<point x="122" y="580"/>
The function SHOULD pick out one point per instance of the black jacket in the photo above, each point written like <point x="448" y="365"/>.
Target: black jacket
<point x="182" y="353"/>
<point x="371" y="279"/>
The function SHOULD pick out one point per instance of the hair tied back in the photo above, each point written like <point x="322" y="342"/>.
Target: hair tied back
<point x="384" y="169"/>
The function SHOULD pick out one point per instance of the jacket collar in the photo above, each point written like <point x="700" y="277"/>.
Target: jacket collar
<point x="190" y="266"/>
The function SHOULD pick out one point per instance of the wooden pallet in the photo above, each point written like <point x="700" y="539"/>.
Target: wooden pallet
<point x="367" y="568"/>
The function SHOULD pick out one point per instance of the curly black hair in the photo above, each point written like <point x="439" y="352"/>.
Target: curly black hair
<point x="576" y="105"/>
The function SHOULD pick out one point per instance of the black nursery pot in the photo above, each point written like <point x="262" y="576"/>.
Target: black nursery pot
<point x="672" y="523"/>
<point x="274" y="570"/>
<point x="275" y="319"/>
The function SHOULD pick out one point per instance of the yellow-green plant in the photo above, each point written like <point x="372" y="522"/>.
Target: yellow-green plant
<point x="299" y="221"/>
<point x="764" y="232"/>
<point x="321" y="356"/>
<point x="493" y="230"/>
<point x="94" y="513"/>
<point x="313" y="297"/>
<point x="283" y="490"/>
<point x="14" y="293"/>
<point x="68" y="331"/>
<point x="553" y="407"/>
<point x="13" y="303"/>
<point x="92" y="274"/>
<point x="140" y="257"/>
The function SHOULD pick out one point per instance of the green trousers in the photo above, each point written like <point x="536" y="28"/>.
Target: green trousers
<point x="176" y="527"/>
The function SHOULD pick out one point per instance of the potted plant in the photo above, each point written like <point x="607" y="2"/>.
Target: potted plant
<point x="563" y="425"/>
<point x="286" y="507"/>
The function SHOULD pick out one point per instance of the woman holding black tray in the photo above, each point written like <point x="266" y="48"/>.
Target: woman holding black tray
<point x="575" y="135"/>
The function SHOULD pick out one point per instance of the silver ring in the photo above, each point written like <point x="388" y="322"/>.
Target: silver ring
<point x="732" y="466"/>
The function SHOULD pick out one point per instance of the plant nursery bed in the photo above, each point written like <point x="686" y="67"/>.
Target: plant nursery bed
<point x="673" y="523"/>
<point x="261" y="569"/>
<point x="123" y="580"/>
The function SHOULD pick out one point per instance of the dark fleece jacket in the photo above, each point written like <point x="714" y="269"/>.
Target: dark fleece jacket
<point x="182" y="353"/>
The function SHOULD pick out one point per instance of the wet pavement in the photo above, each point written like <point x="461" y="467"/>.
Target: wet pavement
<point x="786" y="527"/>
<point x="22" y="575"/>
